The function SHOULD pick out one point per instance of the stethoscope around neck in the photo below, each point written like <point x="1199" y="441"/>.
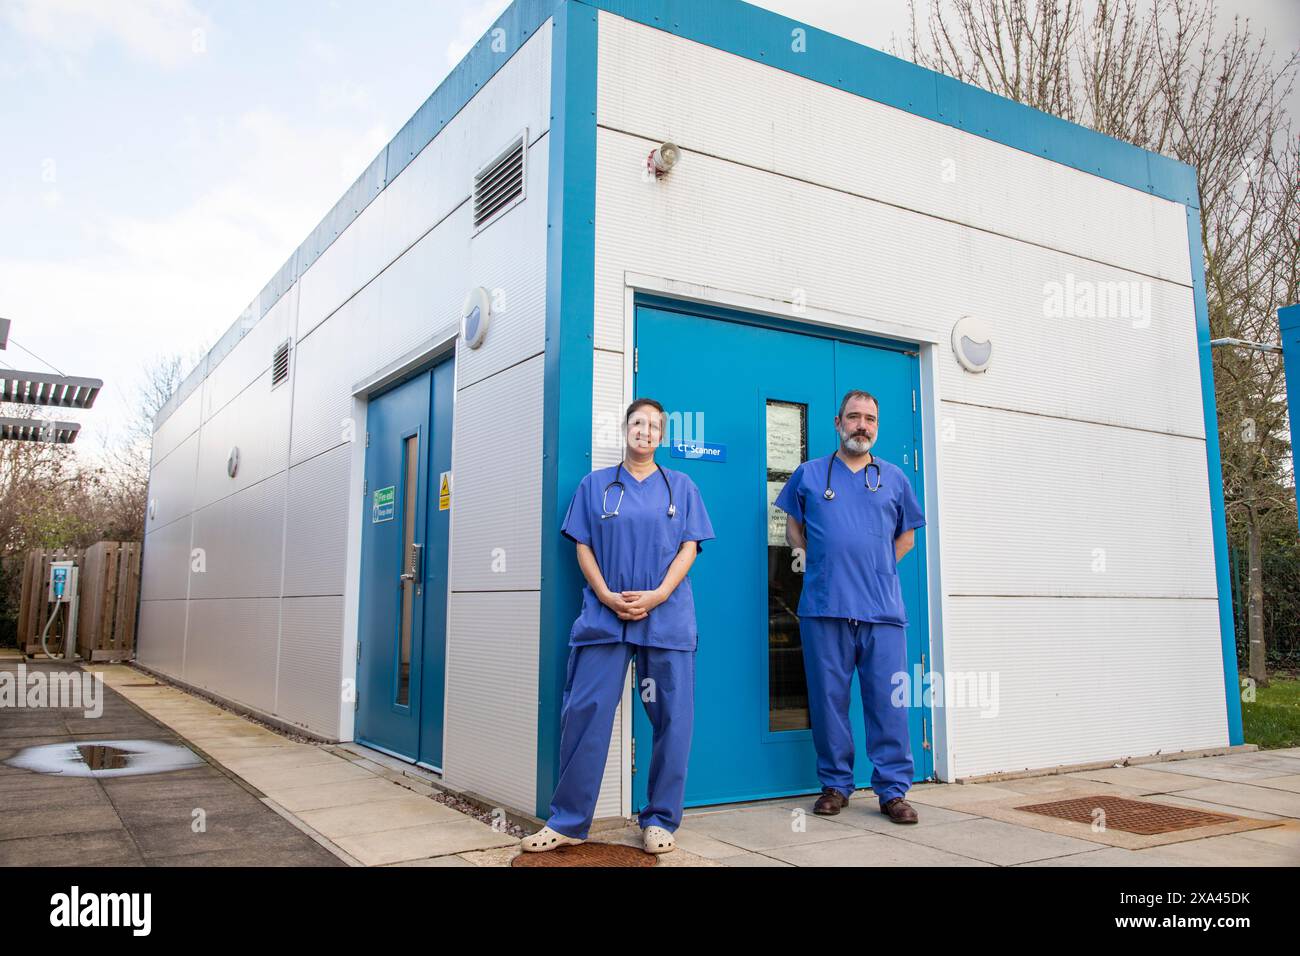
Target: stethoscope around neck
<point x="604" y="503"/>
<point x="866" y="477"/>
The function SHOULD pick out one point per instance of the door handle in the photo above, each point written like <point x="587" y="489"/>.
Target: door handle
<point x="413" y="563"/>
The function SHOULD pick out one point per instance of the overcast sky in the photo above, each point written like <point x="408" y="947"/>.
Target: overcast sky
<point x="161" y="159"/>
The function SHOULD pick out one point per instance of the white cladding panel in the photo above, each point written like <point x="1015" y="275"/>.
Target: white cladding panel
<point x="491" y="727"/>
<point x="316" y="526"/>
<point x="729" y="106"/>
<point x="180" y="425"/>
<point x="1083" y="442"/>
<point x="310" y="671"/>
<point x="164" y="572"/>
<point x="256" y="422"/>
<point x="238" y="545"/>
<point x="160" y="642"/>
<point x="231" y="648"/>
<point x="250" y="356"/>
<point x="1051" y="507"/>
<point x="497" y="462"/>
<point x="171" y="483"/>
<point x="1082" y="680"/>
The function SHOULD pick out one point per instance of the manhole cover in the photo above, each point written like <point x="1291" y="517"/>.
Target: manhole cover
<point x="588" y="854"/>
<point x="1132" y="816"/>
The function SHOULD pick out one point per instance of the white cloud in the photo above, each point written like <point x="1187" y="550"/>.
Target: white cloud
<point x="157" y="31"/>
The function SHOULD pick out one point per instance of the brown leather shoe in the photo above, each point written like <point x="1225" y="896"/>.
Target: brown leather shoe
<point x="899" y="810"/>
<point x="830" y="802"/>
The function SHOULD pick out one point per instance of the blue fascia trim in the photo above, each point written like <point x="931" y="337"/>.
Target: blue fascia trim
<point x="765" y="37"/>
<point x="569" y="359"/>
<point x="1288" y="321"/>
<point x="1214" y="464"/>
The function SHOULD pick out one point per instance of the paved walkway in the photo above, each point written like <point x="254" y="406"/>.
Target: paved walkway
<point x="369" y="810"/>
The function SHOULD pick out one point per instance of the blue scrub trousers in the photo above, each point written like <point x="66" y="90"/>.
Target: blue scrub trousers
<point x="833" y="648"/>
<point x="592" y="690"/>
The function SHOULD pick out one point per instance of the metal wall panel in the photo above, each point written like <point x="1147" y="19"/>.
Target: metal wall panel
<point x="231" y="648"/>
<point x="180" y="425"/>
<point x="497" y="461"/>
<point x="238" y="543"/>
<point x="746" y="112"/>
<point x="255" y="421"/>
<point x="171" y="484"/>
<point x="1047" y="506"/>
<point x="250" y="357"/>
<point x="1075" y="684"/>
<point x="331" y="359"/>
<point x="316" y="526"/>
<point x="490" y="743"/>
<point x="165" y="563"/>
<point x="160" y="640"/>
<point x="311" y="643"/>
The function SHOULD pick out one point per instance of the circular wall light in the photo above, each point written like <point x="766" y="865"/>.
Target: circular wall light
<point x="972" y="344"/>
<point x="663" y="159"/>
<point x="475" y="315"/>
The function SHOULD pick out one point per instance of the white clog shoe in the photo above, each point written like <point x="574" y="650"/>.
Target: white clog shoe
<point x="547" y="839"/>
<point x="657" y="840"/>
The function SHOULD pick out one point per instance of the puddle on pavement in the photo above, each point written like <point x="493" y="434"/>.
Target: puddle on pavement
<point x="106" y="758"/>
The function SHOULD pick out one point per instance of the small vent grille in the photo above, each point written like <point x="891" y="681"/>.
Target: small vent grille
<point x="280" y="364"/>
<point x="500" y="185"/>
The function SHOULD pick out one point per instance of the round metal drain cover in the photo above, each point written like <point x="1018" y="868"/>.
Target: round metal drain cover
<point x="588" y="854"/>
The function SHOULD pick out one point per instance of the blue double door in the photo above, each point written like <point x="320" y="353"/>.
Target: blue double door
<point x="759" y="399"/>
<point x="401" y="659"/>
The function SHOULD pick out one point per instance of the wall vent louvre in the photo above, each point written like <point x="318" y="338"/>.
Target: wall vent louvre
<point x="500" y="184"/>
<point x="280" y="364"/>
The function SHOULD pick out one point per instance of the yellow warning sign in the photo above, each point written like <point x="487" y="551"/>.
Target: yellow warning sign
<point x="444" y="491"/>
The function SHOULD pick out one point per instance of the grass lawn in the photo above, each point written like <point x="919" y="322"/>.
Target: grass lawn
<point x="1273" y="720"/>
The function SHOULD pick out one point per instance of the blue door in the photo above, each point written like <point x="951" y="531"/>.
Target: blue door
<point x="403" y="609"/>
<point x="768" y="396"/>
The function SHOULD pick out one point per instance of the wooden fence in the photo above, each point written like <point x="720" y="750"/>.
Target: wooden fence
<point x="109" y="582"/>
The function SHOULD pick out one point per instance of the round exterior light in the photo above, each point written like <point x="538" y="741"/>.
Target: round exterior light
<point x="474" y="317"/>
<point x="972" y="344"/>
<point x="232" y="463"/>
<point x="665" y="158"/>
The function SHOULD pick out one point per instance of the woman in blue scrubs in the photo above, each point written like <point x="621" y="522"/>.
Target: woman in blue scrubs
<point x="637" y="527"/>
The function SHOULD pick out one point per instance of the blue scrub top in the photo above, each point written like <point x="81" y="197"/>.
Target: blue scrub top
<point x="850" y="569"/>
<point x="633" y="550"/>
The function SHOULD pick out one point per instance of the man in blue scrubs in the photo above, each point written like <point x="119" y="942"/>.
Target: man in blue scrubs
<point x="637" y="527"/>
<point x="853" y="514"/>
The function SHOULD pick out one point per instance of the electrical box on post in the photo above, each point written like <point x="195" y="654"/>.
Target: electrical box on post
<point x="63" y="582"/>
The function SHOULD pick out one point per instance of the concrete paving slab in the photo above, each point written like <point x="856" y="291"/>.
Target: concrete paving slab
<point x="1247" y="797"/>
<point x="1291" y="783"/>
<point x="867" y="816"/>
<point x="374" y="816"/>
<point x="1232" y="850"/>
<point x="752" y="859"/>
<point x="299" y="799"/>
<point x="113" y="847"/>
<point x="870" y="849"/>
<point x="46" y="821"/>
<point x="1286" y="834"/>
<point x="432" y="839"/>
<point x="259" y="828"/>
<point x="995" y="841"/>
<point x="455" y="860"/>
<point x="1109" y="856"/>
<point x="960" y="796"/>
<point x="271" y="780"/>
<point x="1229" y="768"/>
<point x="1141" y="780"/>
<point x="763" y="828"/>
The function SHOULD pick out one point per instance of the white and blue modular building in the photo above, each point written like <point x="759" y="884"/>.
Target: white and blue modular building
<point x="355" y="499"/>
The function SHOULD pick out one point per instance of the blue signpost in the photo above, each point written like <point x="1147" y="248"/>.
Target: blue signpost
<point x="1288" y="320"/>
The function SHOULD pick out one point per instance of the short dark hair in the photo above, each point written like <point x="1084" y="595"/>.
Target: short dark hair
<point x="642" y="402"/>
<point x="856" y="393"/>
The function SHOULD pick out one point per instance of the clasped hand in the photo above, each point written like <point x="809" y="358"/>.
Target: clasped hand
<point x="632" y="605"/>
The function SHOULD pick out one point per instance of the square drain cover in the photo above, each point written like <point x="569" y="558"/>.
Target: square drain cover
<point x="1132" y="816"/>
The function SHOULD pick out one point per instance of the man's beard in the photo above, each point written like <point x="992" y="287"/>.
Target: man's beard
<point x="858" y="444"/>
